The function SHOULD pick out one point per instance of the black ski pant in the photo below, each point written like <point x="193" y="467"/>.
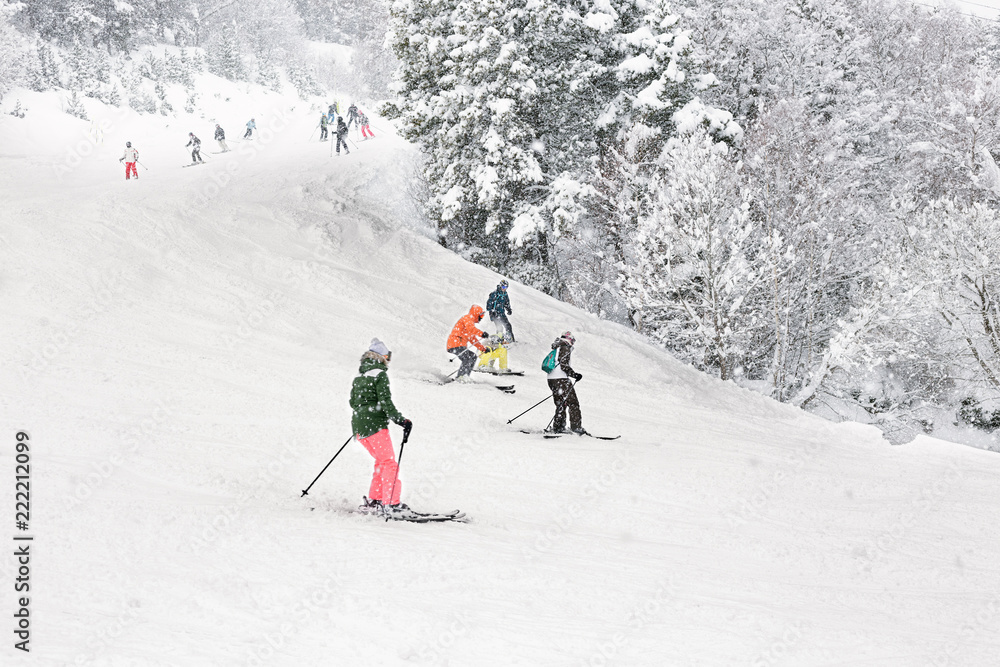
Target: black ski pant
<point x="467" y="357"/>
<point x="322" y="133"/>
<point x="565" y="397"/>
<point x="196" y="155"/>
<point x="342" y="140"/>
<point x="249" y="133"/>
<point x="500" y="321"/>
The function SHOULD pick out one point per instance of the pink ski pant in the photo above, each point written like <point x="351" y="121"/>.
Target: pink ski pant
<point x="379" y="445"/>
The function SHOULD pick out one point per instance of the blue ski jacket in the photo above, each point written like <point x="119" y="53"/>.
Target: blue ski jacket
<point x="498" y="303"/>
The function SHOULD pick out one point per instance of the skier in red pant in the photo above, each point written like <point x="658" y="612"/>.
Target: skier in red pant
<point x="130" y="157"/>
<point x="373" y="408"/>
<point x="366" y="131"/>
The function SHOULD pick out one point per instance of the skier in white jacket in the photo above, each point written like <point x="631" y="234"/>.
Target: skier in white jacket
<point x="130" y="157"/>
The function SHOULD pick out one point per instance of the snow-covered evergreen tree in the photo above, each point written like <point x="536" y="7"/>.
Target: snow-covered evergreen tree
<point x="302" y="77"/>
<point x="513" y="103"/>
<point x="74" y="107"/>
<point x="191" y="101"/>
<point x="14" y="53"/>
<point x="224" y="57"/>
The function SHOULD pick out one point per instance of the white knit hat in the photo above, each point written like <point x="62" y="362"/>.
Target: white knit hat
<point x="378" y="347"/>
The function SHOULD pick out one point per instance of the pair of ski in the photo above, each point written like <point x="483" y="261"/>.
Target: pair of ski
<point x="412" y="516"/>
<point x="505" y="388"/>
<point x="490" y="371"/>
<point x="193" y="164"/>
<point x="548" y="435"/>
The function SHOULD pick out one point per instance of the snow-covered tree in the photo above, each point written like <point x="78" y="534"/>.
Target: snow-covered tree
<point x="955" y="254"/>
<point x="814" y="248"/>
<point x="74" y="107"/>
<point x="689" y="277"/>
<point x="14" y="53"/>
<point x="466" y="92"/>
<point x="514" y="102"/>
<point x="224" y="56"/>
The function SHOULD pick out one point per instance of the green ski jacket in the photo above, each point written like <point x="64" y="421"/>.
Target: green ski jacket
<point x="371" y="398"/>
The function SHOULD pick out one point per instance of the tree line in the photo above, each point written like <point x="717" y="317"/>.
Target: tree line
<point x="800" y="197"/>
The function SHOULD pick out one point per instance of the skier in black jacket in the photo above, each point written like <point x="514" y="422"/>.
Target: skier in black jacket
<point x="220" y="136"/>
<point x="194" y="143"/>
<point x="498" y="306"/>
<point x="342" y="136"/>
<point x="353" y="115"/>
<point x="561" y="380"/>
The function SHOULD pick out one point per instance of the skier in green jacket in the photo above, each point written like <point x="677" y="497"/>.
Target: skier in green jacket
<point x="373" y="409"/>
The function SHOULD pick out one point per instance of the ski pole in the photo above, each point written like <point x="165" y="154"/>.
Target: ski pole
<point x="306" y="490"/>
<point x="143" y="166"/>
<point x="532" y="407"/>
<point x="399" y="462"/>
<point x="313" y="133"/>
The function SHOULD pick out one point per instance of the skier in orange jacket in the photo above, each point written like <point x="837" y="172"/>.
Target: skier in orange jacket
<point x="463" y="334"/>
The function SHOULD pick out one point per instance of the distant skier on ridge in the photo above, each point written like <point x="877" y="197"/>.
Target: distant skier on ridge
<point x="251" y="126"/>
<point x="220" y="136"/>
<point x="365" y="127"/>
<point x="342" y="136"/>
<point x="372" y="403"/>
<point x="130" y="157"/>
<point x="194" y="143"/>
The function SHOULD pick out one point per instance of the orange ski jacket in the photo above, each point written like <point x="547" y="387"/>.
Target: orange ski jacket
<point x="465" y="331"/>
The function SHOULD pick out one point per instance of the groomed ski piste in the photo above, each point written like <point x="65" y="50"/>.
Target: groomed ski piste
<point x="180" y="350"/>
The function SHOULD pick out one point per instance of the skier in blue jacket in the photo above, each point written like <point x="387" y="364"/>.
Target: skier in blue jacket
<point x="498" y="306"/>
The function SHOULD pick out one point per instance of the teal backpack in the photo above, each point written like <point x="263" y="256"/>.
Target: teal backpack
<point x="551" y="361"/>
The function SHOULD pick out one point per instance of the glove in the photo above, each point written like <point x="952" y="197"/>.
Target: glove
<point x="407" y="427"/>
<point x="578" y="377"/>
<point x="484" y="335"/>
<point x="120" y="159"/>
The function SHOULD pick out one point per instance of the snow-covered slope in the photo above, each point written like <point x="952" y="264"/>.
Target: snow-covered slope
<point x="180" y="349"/>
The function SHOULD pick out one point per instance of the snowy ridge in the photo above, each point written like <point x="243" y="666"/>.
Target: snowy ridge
<point x="181" y="349"/>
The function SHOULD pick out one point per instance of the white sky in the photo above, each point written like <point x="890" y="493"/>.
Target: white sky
<point x="989" y="9"/>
